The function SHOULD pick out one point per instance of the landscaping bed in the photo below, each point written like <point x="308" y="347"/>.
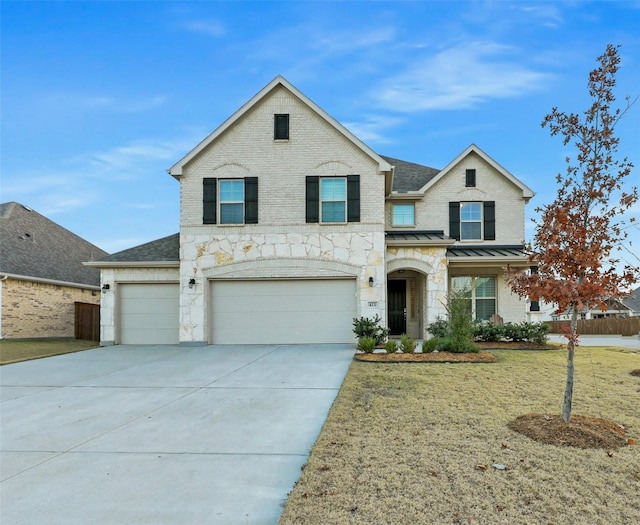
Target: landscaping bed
<point x="430" y="357"/>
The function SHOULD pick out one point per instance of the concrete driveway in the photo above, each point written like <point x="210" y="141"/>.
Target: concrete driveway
<point x="162" y="434"/>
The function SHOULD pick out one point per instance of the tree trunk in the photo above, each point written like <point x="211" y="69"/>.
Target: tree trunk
<point x="571" y="346"/>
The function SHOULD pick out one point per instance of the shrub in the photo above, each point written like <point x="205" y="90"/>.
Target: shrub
<point x="458" y="346"/>
<point x="366" y="344"/>
<point x="365" y="327"/>
<point x="429" y="345"/>
<point x="487" y="331"/>
<point x="407" y="344"/>
<point x="391" y="347"/>
<point x="439" y="329"/>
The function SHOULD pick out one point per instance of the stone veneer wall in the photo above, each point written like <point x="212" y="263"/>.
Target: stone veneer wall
<point x="279" y="255"/>
<point x="109" y="303"/>
<point x="35" y="309"/>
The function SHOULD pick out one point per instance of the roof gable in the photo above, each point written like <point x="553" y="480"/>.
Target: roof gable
<point x="527" y="192"/>
<point x="34" y="246"/>
<point x="177" y="169"/>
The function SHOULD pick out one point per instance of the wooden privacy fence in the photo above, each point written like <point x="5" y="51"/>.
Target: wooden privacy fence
<point x="87" y="322"/>
<point x="607" y="326"/>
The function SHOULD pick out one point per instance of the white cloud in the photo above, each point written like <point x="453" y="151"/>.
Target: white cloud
<point x="459" y="77"/>
<point x="373" y="127"/>
<point x="208" y="27"/>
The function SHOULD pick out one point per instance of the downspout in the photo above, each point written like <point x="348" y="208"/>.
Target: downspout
<point x="2" y="279"/>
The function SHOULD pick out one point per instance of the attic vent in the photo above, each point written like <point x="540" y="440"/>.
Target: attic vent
<point x="26" y="236"/>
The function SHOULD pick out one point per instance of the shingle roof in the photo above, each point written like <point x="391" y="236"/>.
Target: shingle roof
<point x="409" y="176"/>
<point x="633" y="301"/>
<point x="165" y="249"/>
<point x="34" y="246"/>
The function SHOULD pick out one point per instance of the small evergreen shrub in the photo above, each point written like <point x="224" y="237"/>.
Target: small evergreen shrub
<point x="458" y="346"/>
<point x="439" y="329"/>
<point x="407" y="344"/>
<point x="366" y="344"/>
<point x="429" y="345"/>
<point x="391" y="347"/>
<point x="365" y="327"/>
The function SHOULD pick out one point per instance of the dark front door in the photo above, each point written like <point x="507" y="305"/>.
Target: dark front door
<point x="397" y="303"/>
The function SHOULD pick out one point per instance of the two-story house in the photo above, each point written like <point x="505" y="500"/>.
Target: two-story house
<point x="290" y="226"/>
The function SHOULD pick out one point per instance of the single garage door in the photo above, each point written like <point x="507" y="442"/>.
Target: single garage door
<point x="148" y="314"/>
<point x="283" y="311"/>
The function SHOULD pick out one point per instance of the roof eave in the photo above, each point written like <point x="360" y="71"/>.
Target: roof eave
<point x="133" y="264"/>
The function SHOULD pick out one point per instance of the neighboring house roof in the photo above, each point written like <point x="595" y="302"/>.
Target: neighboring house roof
<point x="633" y="301"/>
<point x="34" y="246"/>
<point x="279" y="81"/>
<point x="161" y="252"/>
<point x="409" y="176"/>
<point x="527" y="192"/>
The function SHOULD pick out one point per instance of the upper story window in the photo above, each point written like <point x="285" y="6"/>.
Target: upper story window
<point x="281" y="126"/>
<point x="470" y="221"/>
<point x="333" y="200"/>
<point x="230" y="201"/>
<point x="404" y="215"/>
<point x="470" y="178"/>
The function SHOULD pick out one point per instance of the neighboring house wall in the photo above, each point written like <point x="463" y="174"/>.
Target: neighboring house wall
<point x="248" y="149"/>
<point x="36" y="309"/>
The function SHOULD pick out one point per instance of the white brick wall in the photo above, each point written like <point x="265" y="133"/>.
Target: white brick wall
<point x="432" y="213"/>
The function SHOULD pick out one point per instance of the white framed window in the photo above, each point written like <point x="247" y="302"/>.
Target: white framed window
<point x="333" y="200"/>
<point x="470" y="221"/>
<point x="404" y="214"/>
<point x="480" y="292"/>
<point x="232" y="201"/>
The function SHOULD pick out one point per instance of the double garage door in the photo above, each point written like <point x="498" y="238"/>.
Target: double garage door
<point x="282" y="311"/>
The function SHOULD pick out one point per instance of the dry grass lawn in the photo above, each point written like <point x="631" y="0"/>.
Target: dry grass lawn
<point x="412" y="443"/>
<point x="13" y="351"/>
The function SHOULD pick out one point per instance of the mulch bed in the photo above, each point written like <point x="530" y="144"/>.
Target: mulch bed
<point x="511" y="345"/>
<point x="431" y="357"/>
<point x="579" y="431"/>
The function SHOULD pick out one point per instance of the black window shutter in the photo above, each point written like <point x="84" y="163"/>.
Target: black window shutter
<point x="353" y="198"/>
<point x="313" y="199"/>
<point x="209" y="194"/>
<point x="454" y="220"/>
<point x="251" y="200"/>
<point x="489" y="214"/>
<point x="534" y="305"/>
<point x="281" y="127"/>
<point x="470" y="178"/>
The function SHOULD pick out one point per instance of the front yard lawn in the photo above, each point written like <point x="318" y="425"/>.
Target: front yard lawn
<point x="13" y="351"/>
<point x="427" y="443"/>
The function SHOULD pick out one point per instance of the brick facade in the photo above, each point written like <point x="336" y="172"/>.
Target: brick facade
<point x="35" y="309"/>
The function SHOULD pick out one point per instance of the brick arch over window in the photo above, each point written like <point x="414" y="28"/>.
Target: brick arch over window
<point x="283" y="268"/>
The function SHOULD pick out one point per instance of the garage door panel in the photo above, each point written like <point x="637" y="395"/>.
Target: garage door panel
<point x="282" y="311"/>
<point x="149" y="313"/>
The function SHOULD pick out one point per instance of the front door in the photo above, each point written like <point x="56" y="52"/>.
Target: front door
<point x="397" y="307"/>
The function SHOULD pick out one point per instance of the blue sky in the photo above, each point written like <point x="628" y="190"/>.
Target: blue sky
<point x="99" y="99"/>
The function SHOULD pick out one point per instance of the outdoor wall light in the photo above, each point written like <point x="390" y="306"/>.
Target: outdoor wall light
<point x="106" y="286"/>
<point x="371" y="281"/>
<point x="192" y="283"/>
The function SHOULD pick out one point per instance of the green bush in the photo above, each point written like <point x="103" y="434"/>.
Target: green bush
<point x="429" y="345"/>
<point x="439" y="329"/>
<point x="366" y="344"/>
<point x="391" y="347"/>
<point x="533" y="332"/>
<point x="365" y="327"/>
<point x="458" y="346"/>
<point x="407" y="344"/>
